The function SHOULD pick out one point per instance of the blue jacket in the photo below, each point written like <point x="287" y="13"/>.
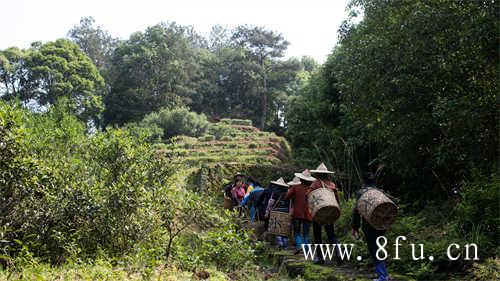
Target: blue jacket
<point x="252" y="197"/>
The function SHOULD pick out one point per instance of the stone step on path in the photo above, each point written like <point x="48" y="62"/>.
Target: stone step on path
<point x="296" y="265"/>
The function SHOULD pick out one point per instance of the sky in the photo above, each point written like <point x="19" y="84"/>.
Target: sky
<point x="309" y="25"/>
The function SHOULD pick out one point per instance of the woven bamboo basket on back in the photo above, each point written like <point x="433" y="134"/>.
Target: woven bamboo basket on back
<point x="228" y="203"/>
<point x="279" y="223"/>
<point x="323" y="205"/>
<point x="376" y="208"/>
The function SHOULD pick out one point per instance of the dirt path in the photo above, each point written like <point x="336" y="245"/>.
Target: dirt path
<point x="296" y="265"/>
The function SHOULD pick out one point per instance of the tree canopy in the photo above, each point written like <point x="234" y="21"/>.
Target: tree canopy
<point x="97" y="43"/>
<point x="413" y="86"/>
<point x="44" y="73"/>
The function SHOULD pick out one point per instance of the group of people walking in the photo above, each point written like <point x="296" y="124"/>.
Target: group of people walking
<point x="292" y="198"/>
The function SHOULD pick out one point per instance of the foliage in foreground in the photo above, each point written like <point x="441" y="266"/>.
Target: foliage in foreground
<point x="74" y="197"/>
<point x="67" y="193"/>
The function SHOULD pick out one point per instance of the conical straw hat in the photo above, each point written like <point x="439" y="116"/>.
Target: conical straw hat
<point x="322" y="169"/>
<point x="305" y="175"/>
<point x="238" y="174"/>
<point x="295" y="181"/>
<point x="281" y="182"/>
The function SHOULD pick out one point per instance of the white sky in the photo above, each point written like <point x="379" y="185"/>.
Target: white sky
<point x="310" y="26"/>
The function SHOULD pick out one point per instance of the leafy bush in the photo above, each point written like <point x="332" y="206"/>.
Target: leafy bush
<point x="207" y="138"/>
<point x="477" y="211"/>
<point x="489" y="270"/>
<point x="151" y="132"/>
<point x="224" y="246"/>
<point x="74" y="195"/>
<point x="243" y="122"/>
<point x="221" y="131"/>
<point x="177" y="121"/>
<point x="228" y="248"/>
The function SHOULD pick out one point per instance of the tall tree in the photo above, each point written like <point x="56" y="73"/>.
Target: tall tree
<point x="150" y="70"/>
<point x="47" y="72"/>
<point x="13" y="73"/>
<point x="97" y="43"/>
<point x="425" y="83"/>
<point x="264" y="47"/>
<point x="219" y="38"/>
<point x="412" y="87"/>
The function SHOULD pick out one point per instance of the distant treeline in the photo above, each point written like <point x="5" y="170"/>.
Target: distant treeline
<point x="235" y="73"/>
<point x="409" y="91"/>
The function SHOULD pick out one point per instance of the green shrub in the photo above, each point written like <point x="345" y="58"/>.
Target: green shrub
<point x="477" y="211"/>
<point x="150" y="132"/>
<point x="207" y="138"/>
<point x="224" y="246"/>
<point x="177" y="121"/>
<point x="81" y="194"/>
<point x="187" y="145"/>
<point x="253" y="145"/>
<point x="201" y="153"/>
<point x="226" y="138"/>
<point x="221" y="130"/>
<point x="243" y="122"/>
<point x="489" y="270"/>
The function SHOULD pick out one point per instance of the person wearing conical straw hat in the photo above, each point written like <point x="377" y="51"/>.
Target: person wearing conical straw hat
<point x="273" y="199"/>
<point x="301" y="216"/>
<point x="323" y="176"/>
<point x="323" y="179"/>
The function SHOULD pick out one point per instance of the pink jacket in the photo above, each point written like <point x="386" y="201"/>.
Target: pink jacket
<point x="238" y="192"/>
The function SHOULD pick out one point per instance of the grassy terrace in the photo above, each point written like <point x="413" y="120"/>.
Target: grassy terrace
<point x="228" y="141"/>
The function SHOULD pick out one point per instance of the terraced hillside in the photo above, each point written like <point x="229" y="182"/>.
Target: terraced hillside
<point x="227" y="142"/>
<point x="231" y="145"/>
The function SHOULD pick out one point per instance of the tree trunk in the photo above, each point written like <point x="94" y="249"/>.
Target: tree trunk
<point x="263" y="115"/>
<point x="169" y="247"/>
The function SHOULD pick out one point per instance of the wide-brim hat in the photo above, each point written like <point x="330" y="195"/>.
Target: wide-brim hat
<point x="295" y="181"/>
<point x="322" y="169"/>
<point x="280" y="182"/>
<point x="305" y="175"/>
<point x="238" y="175"/>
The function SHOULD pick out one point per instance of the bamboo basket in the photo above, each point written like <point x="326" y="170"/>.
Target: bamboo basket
<point x="279" y="223"/>
<point x="228" y="203"/>
<point x="377" y="209"/>
<point x="323" y="205"/>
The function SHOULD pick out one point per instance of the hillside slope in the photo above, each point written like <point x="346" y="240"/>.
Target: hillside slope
<point x="231" y="146"/>
<point x="228" y="142"/>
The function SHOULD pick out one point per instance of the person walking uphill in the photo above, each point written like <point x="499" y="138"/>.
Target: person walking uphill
<point x="371" y="234"/>
<point x="323" y="180"/>
<point x="301" y="216"/>
<point x="273" y="198"/>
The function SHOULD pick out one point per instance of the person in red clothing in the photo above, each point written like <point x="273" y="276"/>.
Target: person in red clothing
<point x="301" y="216"/>
<point x="323" y="180"/>
<point x="238" y="191"/>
